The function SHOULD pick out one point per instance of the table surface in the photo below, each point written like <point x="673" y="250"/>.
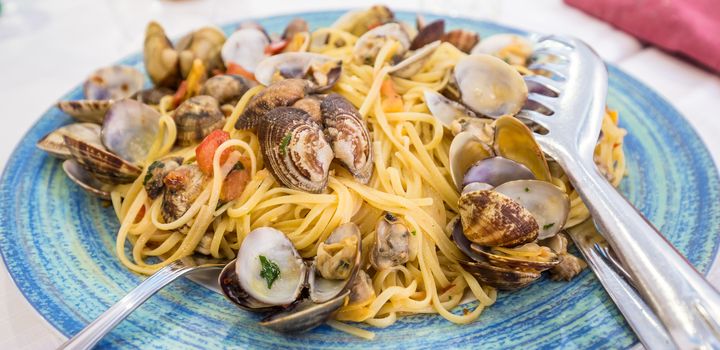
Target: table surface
<point x="67" y="40"/>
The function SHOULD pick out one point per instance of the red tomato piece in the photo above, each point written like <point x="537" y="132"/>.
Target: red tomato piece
<point x="205" y="151"/>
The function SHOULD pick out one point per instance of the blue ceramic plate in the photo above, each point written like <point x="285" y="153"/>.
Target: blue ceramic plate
<point x="58" y="244"/>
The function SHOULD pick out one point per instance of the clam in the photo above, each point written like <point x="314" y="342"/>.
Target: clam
<point x="500" y="277"/>
<point x="226" y="88"/>
<point x="547" y="203"/>
<point x="463" y="39"/>
<point x="476" y="186"/>
<point x="152" y="96"/>
<point x="77" y="174"/>
<point x="91" y="111"/>
<point x="490" y="86"/>
<point x="361" y="21"/>
<point x="445" y="109"/>
<point x="428" y="33"/>
<point x="348" y="135"/>
<point x="321" y="71"/>
<point x="203" y="44"/>
<point x="129" y="130"/>
<point x="511" y="48"/>
<point x="246" y="48"/>
<point x="295" y="150"/>
<point x="296" y="26"/>
<point x="161" y="59"/>
<point x="311" y="105"/>
<point x="513" y="140"/>
<point x="280" y="94"/>
<point x="527" y="257"/>
<point x="490" y="218"/>
<point x="153" y="181"/>
<point x="412" y="64"/>
<point x="182" y="186"/>
<point x="361" y="289"/>
<point x="102" y="164"/>
<point x="270" y="276"/>
<point x="392" y="243"/>
<point x="297" y="36"/>
<point x="496" y="171"/>
<point x="54" y="142"/>
<point x="466" y="149"/>
<point x="370" y="43"/>
<point x="113" y="83"/>
<point x="196" y="118"/>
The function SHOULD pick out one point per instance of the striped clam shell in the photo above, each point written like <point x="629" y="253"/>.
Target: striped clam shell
<point x="348" y="135"/>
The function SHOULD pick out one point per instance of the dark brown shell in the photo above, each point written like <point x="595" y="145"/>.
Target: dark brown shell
<point x="311" y="105"/>
<point x="499" y="277"/>
<point x="152" y="96"/>
<point x="297" y="25"/>
<point x="91" y="111"/>
<point x="492" y="219"/>
<point x="463" y="39"/>
<point x="102" y="164"/>
<point x="54" y="142"/>
<point x="196" y="118"/>
<point x="429" y="33"/>
<point x="516" y="262"/>
<point x="155" y="174"/>
<point x="183" y="185"/>
<point x="160" y="58"/>
<point x="348" y="135"/>
<point x="280" y="94"/>
<point x="226" y="89"/>
<point x="294" y="149"/>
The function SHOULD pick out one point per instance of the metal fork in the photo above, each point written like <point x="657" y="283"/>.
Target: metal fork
<point x="686" y="304"/>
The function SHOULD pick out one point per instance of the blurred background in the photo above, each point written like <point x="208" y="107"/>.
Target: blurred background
<point x="49" y="46"/>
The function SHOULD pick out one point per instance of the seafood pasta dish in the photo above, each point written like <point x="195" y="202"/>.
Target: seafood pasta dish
<point x="359" y="172"/>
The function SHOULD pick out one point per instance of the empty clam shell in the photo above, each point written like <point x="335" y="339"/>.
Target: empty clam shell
<point x="490" y="218"/>
<point x="370" y="43"/>
<point x="113" y="83"/>
<point x="412" y="64"/>
<point x="295" y="150"/>
<point x="91" y="111"/>
<point x="465" y="150"/>
<point x="54" y="142"/>
<point x="304" y="316"/>
<point x="499" y="277"/>
<point x="490" y="86"/>
<point x="103" y="165"/>
<point x="497" y="171"/>
<point x="428" y="33"/>
<point x="161" y="59"/>
<point x="226" y="88"/>
<point x="321" y="70"/>
<point x="280" y="94"/>
<point x="84" y="179"/>
<point x="196" y="118"/>
<point x="547" y="203"/>
<point x="445" y="109"/>
<point x="513" y="140"/>
<point x="246" y="48"/>
<point x="348" y="136"/>
<point x="463" y="39"/>
<point x="129" y="130"/>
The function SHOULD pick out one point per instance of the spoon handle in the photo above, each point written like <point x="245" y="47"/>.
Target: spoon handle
<point x="102" y="325"/>
<point x="686" y="304"/>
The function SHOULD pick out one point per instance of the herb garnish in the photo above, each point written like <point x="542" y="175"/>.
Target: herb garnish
<point x="285" y="142"/>
<point x="270" y="271"/>
<point x="413" y="232"/>
<point x="545" y="227"/>
<point x="527" y="189"/>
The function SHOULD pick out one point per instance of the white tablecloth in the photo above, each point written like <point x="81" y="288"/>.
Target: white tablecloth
<point x="69" y="39"/>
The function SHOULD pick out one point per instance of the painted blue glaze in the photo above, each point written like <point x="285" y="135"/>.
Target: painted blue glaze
<point x="58" y="245"/>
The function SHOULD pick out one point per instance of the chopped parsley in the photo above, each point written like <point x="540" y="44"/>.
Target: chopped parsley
<point x="545" y="227"/>
<point x="413" y="232"/>
<point x="270" y="270"/>
<point x="151" y="168"/>
<point x="527" y="189"/>
<point x="238" y="166"/>
<point x="284" y="143"/>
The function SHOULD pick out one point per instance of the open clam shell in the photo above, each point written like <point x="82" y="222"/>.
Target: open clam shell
<point x="490" y="218"/>
<point x="428" y="33"/>
<point x="545" y="259"/>
<point x="466" y="149"/>
<point x="246" y="48"/>
<point x="54" y="142"/>
<point x="161" y="59"/>
<point x="392" y="243"/>
<point x="305" y="315"/>
<point x="360" y="22"/>
<point x="348" y="136"/>
<point x="280" y="94"/>
<point x="547" y="203"/>
<point x="77" y="174"/>
<point x="370" y="43"/>
<point x="295" y="150"/>
<point x="226" y="88"/>
<point x="203" y="44"/>
<point x="496" y="171"/>
<point x="113" y="83"/>
<point x="336" y="264"/>
<point x="445" y="109"/>
<point x="320" y="70"/>
<point x="490" y="86"/>
<point x="196" y="118"/>
<point x="412" y="64"/>
<point x="513" y="140"/>
<point x="499" y="277"/>
<point x="463" y="40"/>
<point x="91" y="111"/>
<point x="103" y="165"/>
<point x="129" y="129"/>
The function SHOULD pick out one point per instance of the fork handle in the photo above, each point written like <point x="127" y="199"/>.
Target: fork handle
<point x="686" y="303"/>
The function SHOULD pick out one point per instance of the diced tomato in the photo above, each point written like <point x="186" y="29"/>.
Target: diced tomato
<point x="233" y="68"/>
<point x="276" y="47"/>
<point x="235" y="181"/>
<point x="206" y="150"/>
<point x="180" y="93"/>
<point x="391" y="100"/>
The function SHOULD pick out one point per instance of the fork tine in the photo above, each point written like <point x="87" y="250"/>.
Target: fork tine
<point x="534" y="116"/>
<point x="553" y="85"/>
<point x="557" y="51"/>
<point x="556" y="69"/>
<point x="570" y="43"/>
<point x="547" y="101"/>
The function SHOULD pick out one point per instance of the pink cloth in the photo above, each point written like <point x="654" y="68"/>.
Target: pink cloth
<point x="689" y="27"/>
